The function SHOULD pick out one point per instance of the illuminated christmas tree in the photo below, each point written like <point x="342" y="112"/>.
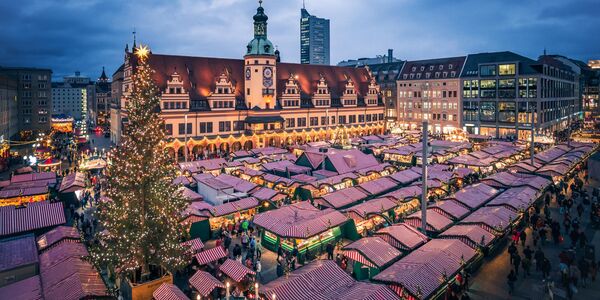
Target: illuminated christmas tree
<point x="142" y="216"/>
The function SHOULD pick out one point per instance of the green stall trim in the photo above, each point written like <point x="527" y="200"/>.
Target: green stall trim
<point x="200" y="230"/>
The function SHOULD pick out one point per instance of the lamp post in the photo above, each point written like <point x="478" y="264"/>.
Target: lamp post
<point x="256" y="289"/>
<point x="227" y="290"/>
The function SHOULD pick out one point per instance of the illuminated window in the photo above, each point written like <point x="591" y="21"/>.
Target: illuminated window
<point x="507" y="69"/>
<point x="487" y="70"/>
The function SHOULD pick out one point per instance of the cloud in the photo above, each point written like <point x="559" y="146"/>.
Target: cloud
<point x="70" y="35"/>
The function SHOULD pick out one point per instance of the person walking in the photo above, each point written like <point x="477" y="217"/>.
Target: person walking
<point x="329" y="249"/>
<point x="516" y="263"/>
<point x="546" y="268"/>
<point x="523" y="238"/>
<point x="511" y="278"/>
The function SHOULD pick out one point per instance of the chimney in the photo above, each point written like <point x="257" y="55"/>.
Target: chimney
<point x="77" y="73"/>
<point x="390" y="55"/>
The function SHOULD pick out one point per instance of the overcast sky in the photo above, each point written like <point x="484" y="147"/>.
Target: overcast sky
<point x="84" y="35"/>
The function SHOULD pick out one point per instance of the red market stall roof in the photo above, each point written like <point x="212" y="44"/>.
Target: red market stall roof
<point x="26" y="289"/>
<point x="495" y="219"/>
<point x="205" y="283"/>
<point x="168" y="291"/>
<point x="17" y="252"/>
<point x="12" y="193"/>
<point x="303" y="178"/>
<point x="362" y="211"/>
<point x="49" y="177"/>
<point x="323" y="280"/>
<point x="475" y="195"/>
<point x="436" y="221"/>
<point x="378" y="186"/>
<point x="519" y="198"/>
<point x="237" y="183"/>
<point x="450" y="208"/>
<point x="268" y="151"/>
<point x="376" y="168"/>
<point x="34" y="216"/>
<point x="278" y="179"/>
<point x="343" y="197"/>
<point x="203" y="165"/>
<point x="510" y="179"/>
<point x="235" y="270"/>
<point x="57" y="235"/>
<point x="402" y="236"/>
<point x="25" y="185"/>
<point x="299" y="220"/>
<point x="406" y="177"/>
<point x="525" y="166"/>
<point x="181" y="180"/>
<point x="193" y="246"/>
<point x="190" y="195"/>
<point x="72" y="182"/>
<point x="234" y="206"/>
<point x="371" y="251"/>
<point x="405" y="193"/>
<point x="65" y="275"/>
<point x="472" y="235"/>
<point x="284" y="166"/>
<point x="423" y="269"/>
<point x="265" y="193"/>
<point x="250" y="172"/>
<point x="333" y="180"/>
<point x="210" y="255"/>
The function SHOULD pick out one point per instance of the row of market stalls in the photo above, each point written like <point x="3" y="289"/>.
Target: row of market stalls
<point x="23" y="189"/>
<point x="411" y="154"/>
<point x="496" y="156"/>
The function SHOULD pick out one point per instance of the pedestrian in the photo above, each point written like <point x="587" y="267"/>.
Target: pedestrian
<point x="258" y="269"/>
<point x="511" y="278"/>
<point x="244" y="239"/>
<point x="574" y="236"/>
<point x="546" y="268"/>
<point x="523" y="238"/>
<point x="528" y="253"/>
<point x="526" y="264"/>
<point x="329" y="249"/>
<point x="539" y="259"/>
<point x="512" y="250"/>
<point x="516" y="262"/>
<point x="584" y="268"/>
<point x="258" y="249"/>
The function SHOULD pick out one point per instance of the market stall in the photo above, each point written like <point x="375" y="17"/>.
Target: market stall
<point x="372" y="215"/>
<point x="342" y="198"/>
<point x="436" y="222"/>
<point x="402" y="236"/>
<point x="378" y="186"/>
<point x="408" y="199"/>
<point x="304" y="227"/>
<point x="475" y="195"/>
<point x="495" y="219"/>
<point x="474" y="236"/>
<point x="193" y="246"/>
<point x="236" y="271"/>
<point x="426" y="272"/>
<point x="517" y="199"/>
<point x="327" y="185"/>
<point x="451" y="209"/>
<point x="168" y="291"/>
<point x="210" y="255"/>
<point x="369" y="256"/>
<point x="18" y="197"/>
<point x="205" y="284"/>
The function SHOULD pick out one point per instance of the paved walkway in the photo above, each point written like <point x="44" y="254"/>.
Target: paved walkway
<point x="490" y="281"/>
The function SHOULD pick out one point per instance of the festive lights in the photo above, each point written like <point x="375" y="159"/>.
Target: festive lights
<point x="141" y="220"/>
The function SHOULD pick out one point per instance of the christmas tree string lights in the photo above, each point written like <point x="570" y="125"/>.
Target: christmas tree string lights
<point x="141" y="219"/>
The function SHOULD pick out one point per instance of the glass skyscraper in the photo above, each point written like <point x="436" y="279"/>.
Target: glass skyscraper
<point x="314" y="39"/>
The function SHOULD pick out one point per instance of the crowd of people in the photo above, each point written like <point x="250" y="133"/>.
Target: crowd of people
<point x="577" y="265"/>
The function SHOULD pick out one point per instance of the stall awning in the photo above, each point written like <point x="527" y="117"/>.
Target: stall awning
<point x="205" y="283"/>
<point x="371" y="251"/>
<point x="263" y="119"/>
<point x="210" y="255"/>
<point x="235" y="270"/>
<point x="193" y="245"/>
<point x="168" y="291"/>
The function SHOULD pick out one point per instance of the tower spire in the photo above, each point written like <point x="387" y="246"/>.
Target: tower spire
<point x="303" y="6"/>
<point x="134" y="32"/>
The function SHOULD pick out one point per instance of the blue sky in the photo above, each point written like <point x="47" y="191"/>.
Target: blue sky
<point x="84" y="35"/>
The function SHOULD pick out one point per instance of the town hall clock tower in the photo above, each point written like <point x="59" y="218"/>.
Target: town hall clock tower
<point x="260" y="66"/>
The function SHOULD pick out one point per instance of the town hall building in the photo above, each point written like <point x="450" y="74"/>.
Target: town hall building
<point x="221" y="105"/>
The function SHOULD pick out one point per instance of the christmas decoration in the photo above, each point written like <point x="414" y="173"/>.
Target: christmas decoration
<point x="141" y="220"/>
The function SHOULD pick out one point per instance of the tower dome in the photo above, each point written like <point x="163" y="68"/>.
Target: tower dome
<point x="260" y="45"/>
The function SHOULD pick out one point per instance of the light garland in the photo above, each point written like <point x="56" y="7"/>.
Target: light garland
<point x="141" y="220"/>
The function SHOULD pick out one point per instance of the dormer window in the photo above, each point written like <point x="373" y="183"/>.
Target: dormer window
<point x="441" y="67"/>
<point x="422" y="68"/>
<point x="414" y="69"/>
<point x="450" y="66"/>
<point x="430" y="68"/>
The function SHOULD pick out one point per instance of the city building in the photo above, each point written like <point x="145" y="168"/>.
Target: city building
<point x="216" y="105"/>
<point x="386" y="75"/>
<point x="314" y="39"/>
<point x="591" y="89"/>
<point x="430" y="90"/>
<point x="369" y="61"/>
<point x="100" y="109"/>
<point x="34" y="102"/>
<point x="116" y="87"/>
<point x="8" y="117"/>
<point x="72" y="96"/>
<point x="504" y="93"/>
<point x="594" y="64"/>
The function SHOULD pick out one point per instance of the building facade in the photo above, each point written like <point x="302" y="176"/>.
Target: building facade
<point x="34" y="101"/>
<point x="505" y="93"/>
<point x="115" y="104"/>
<point x="214" y="105"/>
<point x="72" y="96"/>
<point x="370" y="61"/>
<point x="100" y="110"/>
<point x="387" y="74"/>
<point x="314" y="39"/>
<point x="430" y="90"/>
<point x="8" y="117"/>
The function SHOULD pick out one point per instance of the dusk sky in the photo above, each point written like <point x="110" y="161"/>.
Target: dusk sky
<point x="84" y="35"/>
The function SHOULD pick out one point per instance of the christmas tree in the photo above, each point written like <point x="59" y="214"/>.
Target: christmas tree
<point x="141" y="219"/>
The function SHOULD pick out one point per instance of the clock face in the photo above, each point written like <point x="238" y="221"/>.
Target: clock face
<point x="248" y="73"/>
<point x="268" y="72"/>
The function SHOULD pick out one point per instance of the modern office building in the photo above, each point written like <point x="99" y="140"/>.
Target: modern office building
<point x="217" y="105"/>
<point x="504" y="93"/>
<point x="72" y="96"/>
<point x="34" y="102"/>
<point x="430" y="90"/>
<point x="314" y="39"/>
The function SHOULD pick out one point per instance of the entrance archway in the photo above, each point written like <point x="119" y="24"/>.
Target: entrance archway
<point x="248" y="145"/>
